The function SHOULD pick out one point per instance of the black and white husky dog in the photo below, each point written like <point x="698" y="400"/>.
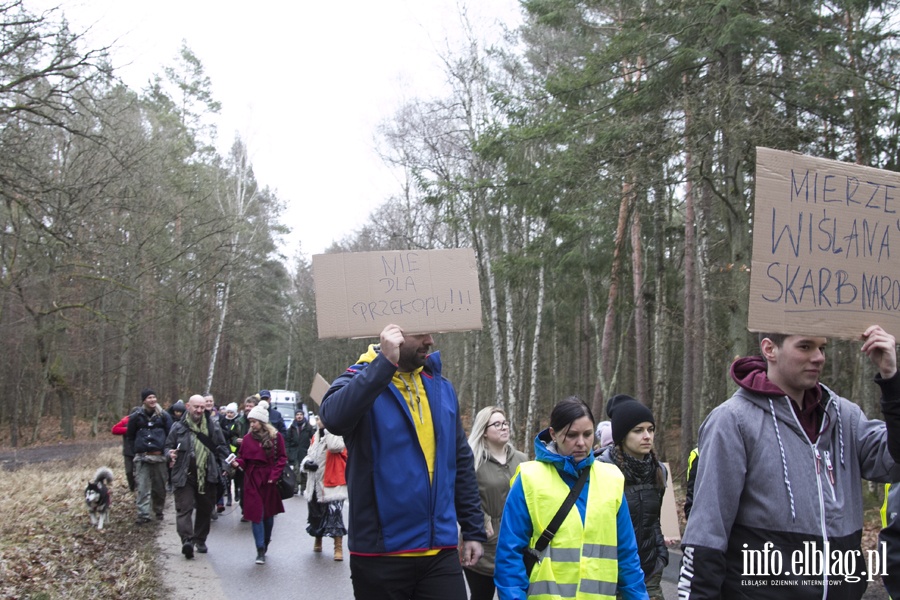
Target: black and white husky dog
<point x="96" y="496"/>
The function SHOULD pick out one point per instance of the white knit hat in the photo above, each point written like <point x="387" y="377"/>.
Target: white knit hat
<point x="259" y="413"/>
<point x="232" y="407"/>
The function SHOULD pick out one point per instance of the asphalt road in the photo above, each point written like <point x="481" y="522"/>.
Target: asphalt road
<point x="13" y="458"/>
<point x="228" y="570"/>
<point x="292" y="569"/>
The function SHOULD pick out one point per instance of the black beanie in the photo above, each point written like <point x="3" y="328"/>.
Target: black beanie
<point x="626" y="413"/>
<point x="146" y="392"/>
<point x="611" y="403"/>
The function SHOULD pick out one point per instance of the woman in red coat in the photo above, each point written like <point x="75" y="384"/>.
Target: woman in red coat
<point x="262" y="458"/>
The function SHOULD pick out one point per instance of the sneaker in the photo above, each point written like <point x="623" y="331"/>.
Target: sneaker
<point x="220" y="508"/>
<point x="228" y="503"/>
<point x="141" y="520"/>
<point x="201" y="548"/>
<point x="187" y="548"/>
<point x="260" y="557"/>
<point x="214" y="516"/>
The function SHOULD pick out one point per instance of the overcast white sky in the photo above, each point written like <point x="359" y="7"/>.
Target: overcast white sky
<point x="305" y="84"/>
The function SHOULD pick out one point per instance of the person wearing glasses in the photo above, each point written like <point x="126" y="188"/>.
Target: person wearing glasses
<point x="496" y="461"/>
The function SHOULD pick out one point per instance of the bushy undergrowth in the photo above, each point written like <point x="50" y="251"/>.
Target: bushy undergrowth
<point x="49" y="550"/>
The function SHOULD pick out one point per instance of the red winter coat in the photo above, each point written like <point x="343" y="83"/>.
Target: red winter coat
<point x="121" y="428"/>
<point x="261" y="498"/>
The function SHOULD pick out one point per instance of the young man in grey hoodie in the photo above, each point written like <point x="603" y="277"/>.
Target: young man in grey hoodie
<point x="778" y="503"/>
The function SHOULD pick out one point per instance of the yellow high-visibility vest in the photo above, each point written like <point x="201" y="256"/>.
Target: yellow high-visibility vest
<point x="582" y="560"/>
<point x="884" y="514"/>
<point x="691" y="458"/>
<point x="885" y="517"/>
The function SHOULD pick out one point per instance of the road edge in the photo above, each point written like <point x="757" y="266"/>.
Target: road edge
<point x="185" y="579"/>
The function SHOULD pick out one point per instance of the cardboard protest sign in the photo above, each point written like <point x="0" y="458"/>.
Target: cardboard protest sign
<point x="319" y="387"/>
<point x="422" y="291"/>
<point x="668" y="515"/>
<point x="826" y="247"/>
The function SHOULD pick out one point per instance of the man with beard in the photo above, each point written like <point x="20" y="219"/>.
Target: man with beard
<point x="197" y="451"/>
<point x="410" y="472"/>
<point x="148" y="427"/>
<point x="299" y="436"/>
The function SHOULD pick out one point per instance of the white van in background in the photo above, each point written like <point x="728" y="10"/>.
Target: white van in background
<point x="285" y="402"/>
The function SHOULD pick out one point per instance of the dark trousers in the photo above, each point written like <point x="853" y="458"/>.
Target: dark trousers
<point x="481" y="587"/>
<point x="437" y="577"/>
<point x="129" y="471"/>
<point x="188" y="501"/>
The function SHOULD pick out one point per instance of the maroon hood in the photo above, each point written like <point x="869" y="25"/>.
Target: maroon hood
<point x="750" y="373"/>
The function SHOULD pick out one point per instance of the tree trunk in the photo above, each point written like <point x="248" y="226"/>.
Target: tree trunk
<point x="223" y="311"/>
<point x="688" y="367"/>
<point x="536" y="354"/>
<point x="509" y="365"/>
<point x="606" y="343"/>
<point x="661" y="330"/>
<point x="641" y="339"/>
<point x="485" y="259"/>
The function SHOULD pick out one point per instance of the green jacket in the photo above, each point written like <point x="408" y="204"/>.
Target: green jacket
<point x="493" y="487"/>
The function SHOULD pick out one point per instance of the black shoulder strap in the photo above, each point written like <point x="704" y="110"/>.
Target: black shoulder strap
<point x="559" y="517"/>
<point x="205" y="439"/>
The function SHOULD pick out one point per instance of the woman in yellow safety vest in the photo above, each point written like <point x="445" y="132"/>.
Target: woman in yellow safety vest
<point x="593" y="554"/>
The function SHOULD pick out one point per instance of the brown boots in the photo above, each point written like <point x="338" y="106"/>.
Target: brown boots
<point x="338" y="547"/>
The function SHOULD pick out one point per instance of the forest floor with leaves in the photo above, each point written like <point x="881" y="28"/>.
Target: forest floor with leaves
<point x="49" y="550"/>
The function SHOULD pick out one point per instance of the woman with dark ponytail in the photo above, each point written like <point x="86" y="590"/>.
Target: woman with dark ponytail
<point x="593" y="552"/>
<point x="633" y="430"/>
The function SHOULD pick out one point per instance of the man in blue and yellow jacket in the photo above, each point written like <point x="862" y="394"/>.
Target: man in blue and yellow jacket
<point x="410" y="471"/>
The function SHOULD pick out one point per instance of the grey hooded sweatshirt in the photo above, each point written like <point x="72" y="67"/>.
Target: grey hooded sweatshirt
<point x="768" y="500"/>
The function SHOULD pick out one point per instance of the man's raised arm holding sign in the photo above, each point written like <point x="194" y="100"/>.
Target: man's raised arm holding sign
<point x="778" y="490"/>
<point x="410" y="470"/>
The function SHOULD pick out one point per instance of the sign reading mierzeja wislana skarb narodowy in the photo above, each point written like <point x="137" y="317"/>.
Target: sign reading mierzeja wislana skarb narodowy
<point x="826" y="247"/>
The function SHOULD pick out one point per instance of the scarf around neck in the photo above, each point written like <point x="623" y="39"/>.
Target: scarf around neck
<point x="201" y="452"/>
<point x="637" y="471"/>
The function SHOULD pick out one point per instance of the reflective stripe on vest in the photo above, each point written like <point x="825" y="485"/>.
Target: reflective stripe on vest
<point x="582" y="560"/>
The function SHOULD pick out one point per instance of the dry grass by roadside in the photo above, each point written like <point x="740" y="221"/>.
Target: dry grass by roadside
<point x="48" y="549"/>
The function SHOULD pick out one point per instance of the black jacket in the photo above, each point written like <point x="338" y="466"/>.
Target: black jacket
<point x="299" y="436"/>
<point x="645" y="505"/>
<point x="148" y="432"/>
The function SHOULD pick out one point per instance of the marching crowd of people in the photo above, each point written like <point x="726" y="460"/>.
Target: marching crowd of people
<point x="437" y="513"/>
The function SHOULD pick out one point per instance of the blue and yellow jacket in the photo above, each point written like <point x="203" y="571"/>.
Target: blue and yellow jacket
<point x="516" y="530"/>
<point x="395" y="507"/>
